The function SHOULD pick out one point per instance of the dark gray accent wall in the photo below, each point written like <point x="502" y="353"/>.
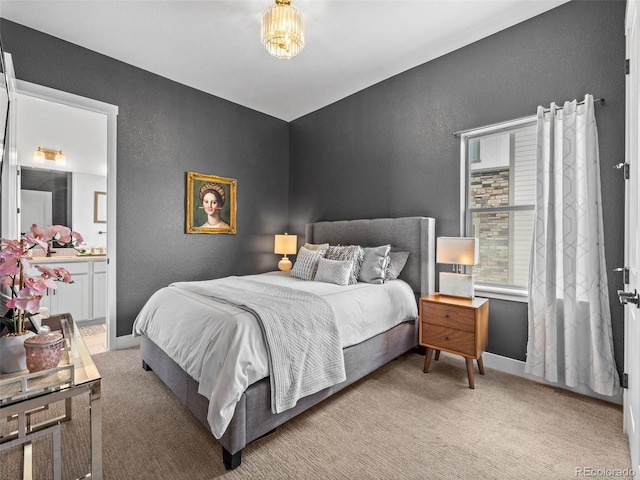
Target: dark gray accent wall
<point x="389" y="151"/>
<point x="164" y="130"/>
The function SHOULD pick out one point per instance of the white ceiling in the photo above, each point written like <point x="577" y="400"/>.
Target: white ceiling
<point x="214" y="45"/>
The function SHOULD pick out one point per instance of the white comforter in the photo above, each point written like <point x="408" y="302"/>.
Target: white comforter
<point x="221" y="346"/>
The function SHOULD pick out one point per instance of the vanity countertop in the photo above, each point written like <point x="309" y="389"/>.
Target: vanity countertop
<point x="57" y="258"/>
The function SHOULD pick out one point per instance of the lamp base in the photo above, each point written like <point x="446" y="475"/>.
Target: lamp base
<point x="456" y="285"/>
<point x="285" y="264"/>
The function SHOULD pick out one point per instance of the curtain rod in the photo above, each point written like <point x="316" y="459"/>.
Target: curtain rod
<point x="493" y="125"/>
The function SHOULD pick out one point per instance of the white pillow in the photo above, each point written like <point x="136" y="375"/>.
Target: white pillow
<point x="334" y="271"/>
<point x="374" y="265"/>
<point x="306" y="263"/>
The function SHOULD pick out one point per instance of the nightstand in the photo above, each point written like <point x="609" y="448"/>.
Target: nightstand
<point x="455" y="325"/>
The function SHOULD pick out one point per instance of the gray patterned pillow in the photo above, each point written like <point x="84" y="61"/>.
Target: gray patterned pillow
<point x="355" y="253"/>
<point x="306" y="263"/>
<point x="334" y="271"/>
<point x="374" y="264"/>
<point x="316" y="246"/>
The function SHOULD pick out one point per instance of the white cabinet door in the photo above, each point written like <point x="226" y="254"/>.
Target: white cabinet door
<point x="99" y="295"/>
<point x="71" y="298"/>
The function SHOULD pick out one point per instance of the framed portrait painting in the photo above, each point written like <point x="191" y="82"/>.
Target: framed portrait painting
<point x="211" y="204"/>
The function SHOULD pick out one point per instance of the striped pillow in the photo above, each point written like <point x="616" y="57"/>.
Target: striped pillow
<point x="306" y="263"/>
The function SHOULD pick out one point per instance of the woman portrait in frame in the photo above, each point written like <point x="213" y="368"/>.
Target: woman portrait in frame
<point x="211" y="204"/>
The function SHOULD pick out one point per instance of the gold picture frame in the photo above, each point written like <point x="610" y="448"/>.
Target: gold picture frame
<point x="99" y="207"/>
<point x="211" y="204"/>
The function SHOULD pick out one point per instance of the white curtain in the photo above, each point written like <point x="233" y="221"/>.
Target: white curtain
<point x="570" y="336"/>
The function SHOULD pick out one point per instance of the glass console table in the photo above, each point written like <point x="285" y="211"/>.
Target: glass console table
<point x="24" y="393"/>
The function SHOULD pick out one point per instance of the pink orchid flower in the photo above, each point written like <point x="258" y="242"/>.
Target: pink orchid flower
<point x="77" y="237"/>
<point x="38" y="232"/>
<point x="39" y="285"/>
<point x="9" y="268"/>
<point x="36" y="240"/>
<point x="38" y="236"/>
<point x="14" y="257"/>
<point x="46" y="271"/>
<point x="61" y="233"/>
<point x="12" y="248"/>
<point x="62" y="274"/>
<point x="25" y="300"/>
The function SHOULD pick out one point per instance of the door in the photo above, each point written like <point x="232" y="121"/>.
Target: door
<point x="631" y="238"/>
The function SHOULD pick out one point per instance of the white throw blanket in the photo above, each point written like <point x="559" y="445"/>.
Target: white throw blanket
<point x="302" y="338"/>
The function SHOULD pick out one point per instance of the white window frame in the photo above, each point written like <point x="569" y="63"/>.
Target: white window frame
<point x="516" y="294"/>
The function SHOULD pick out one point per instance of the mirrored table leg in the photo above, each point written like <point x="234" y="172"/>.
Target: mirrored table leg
<point x="96" y="431"/>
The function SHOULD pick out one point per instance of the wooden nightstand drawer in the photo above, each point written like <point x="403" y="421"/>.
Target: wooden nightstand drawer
<point x="455" y="325"/>
<point x="446" y="338"/>
<point x="449" y="316"/>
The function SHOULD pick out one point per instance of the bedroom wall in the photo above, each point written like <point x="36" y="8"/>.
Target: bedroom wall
<point x="389" y="150"/>
<point x="164" y="130"/>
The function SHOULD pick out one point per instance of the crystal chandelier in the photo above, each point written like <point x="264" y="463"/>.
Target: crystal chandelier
<point x="283" y="30"/>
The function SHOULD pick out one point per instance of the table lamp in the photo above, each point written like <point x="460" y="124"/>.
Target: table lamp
<point x="285" y="245"/>
<point x="457" y="251"/>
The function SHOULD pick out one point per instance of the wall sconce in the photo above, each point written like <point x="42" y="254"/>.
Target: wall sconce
<point x="457" y="251"/>
<point x="285" y="245"/>
<point x="42" y="154"/>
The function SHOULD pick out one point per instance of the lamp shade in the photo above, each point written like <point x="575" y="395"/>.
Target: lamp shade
<point x="285" y="244"/>
<point x="457" y="250"/>
<point x="38" y="156"/>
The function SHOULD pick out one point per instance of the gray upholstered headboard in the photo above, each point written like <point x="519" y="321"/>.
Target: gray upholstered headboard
<point x="406" y="234"/>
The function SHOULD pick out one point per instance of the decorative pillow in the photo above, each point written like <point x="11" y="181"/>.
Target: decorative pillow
<point x="374" y="264"/>
<point x="334" y="271"/>
<point x="397" y="261"/>
<point x="306" y="263"/>
<point x="355" y="253"/>
<point x="316" y="246"/>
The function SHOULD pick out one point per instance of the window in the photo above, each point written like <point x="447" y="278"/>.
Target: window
<point x="499" y="178"/>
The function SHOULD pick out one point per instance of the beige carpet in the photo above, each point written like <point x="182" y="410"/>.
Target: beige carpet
<point x="397" y="423"/>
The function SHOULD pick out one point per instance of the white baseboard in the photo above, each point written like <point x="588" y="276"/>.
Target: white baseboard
<point x="490" y="360"/>
<point x="126" y="341"/>
<point x="516" y="367"/>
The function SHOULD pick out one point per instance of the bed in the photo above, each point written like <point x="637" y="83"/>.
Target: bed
<point x="252" y="417"/>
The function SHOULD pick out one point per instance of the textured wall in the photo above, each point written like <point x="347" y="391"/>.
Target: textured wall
<point x="164" y="130"/>
<point x="389" y="150"/>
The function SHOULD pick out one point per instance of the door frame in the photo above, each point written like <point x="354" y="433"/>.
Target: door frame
<point x="111" y="111"/>
<point x="631" y="403"/>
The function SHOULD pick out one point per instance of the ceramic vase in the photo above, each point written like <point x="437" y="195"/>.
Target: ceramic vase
<point x="12" y="353"/>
